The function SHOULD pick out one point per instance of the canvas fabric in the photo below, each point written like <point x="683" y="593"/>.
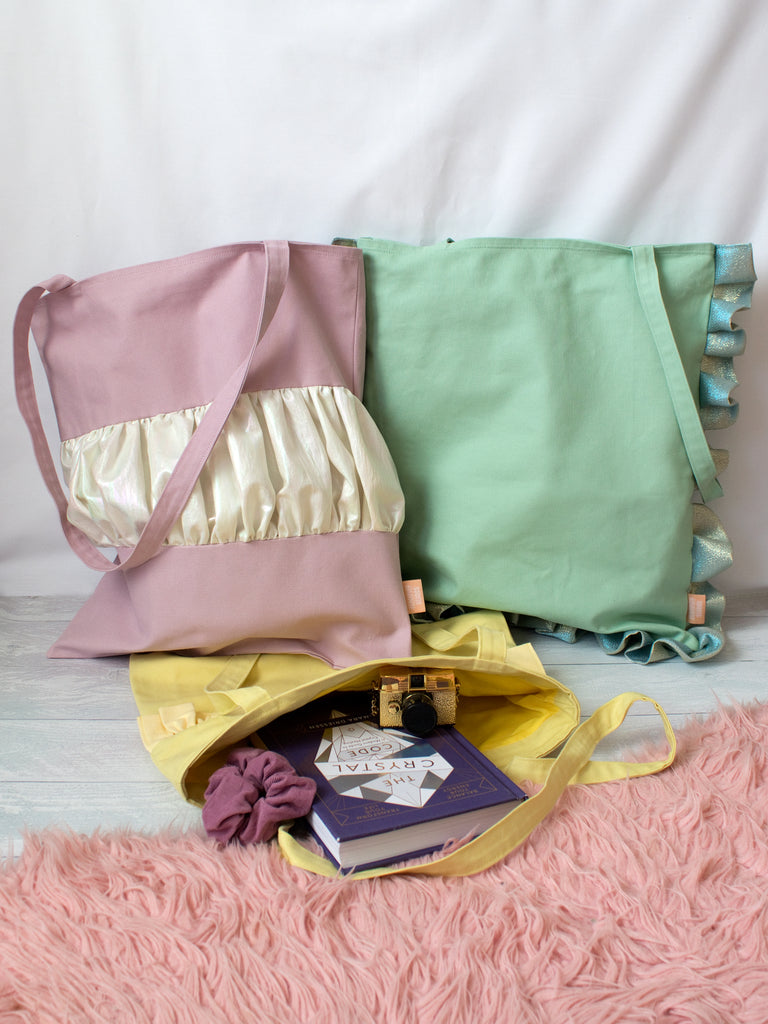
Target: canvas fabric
<point x="546" y="401"/>
<point x="193" y="712"/>
<point x="212" y="432"/>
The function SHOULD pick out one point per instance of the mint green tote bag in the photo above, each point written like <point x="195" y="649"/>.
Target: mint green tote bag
<point x="545" y="402"/>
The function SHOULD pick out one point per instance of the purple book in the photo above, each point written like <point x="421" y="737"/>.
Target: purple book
<point x="384" y="794"/>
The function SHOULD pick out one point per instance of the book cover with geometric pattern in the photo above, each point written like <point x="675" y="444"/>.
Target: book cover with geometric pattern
<point x="384" y="793"/>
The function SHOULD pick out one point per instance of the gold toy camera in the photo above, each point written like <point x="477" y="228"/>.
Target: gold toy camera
<point x="416" y="701"/>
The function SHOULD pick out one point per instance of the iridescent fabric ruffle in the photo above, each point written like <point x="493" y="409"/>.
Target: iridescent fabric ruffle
<point x="290" y="462"/>
<point x="734" y="281"/>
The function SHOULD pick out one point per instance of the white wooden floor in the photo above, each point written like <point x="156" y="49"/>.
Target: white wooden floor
<point x="70" y="752"/>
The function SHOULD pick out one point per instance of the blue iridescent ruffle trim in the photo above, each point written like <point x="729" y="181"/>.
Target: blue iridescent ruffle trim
<point x="734" y="281"/>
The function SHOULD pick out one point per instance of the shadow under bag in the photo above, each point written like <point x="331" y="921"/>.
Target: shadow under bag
<point x="212" y="433"/>
<point x="545" y="402"/>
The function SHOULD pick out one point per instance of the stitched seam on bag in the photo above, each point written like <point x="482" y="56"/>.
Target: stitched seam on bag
<point x="205" y="405"/>
<point x="269" y="540"/>
<point x="358" y="347"/>
<point x="597" y="248"/>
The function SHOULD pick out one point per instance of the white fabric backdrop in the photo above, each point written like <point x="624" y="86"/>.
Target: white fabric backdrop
<point x="142" y="129"/>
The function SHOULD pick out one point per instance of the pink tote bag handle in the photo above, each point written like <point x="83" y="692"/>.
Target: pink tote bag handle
<point x="192" y="460"/>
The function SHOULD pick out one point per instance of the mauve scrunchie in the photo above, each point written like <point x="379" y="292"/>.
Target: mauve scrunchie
<point x="254" y="793"/>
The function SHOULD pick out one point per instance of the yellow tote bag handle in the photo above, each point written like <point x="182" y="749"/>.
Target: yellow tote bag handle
<point x="572" y="765"/>
<point x="487" y="632"/>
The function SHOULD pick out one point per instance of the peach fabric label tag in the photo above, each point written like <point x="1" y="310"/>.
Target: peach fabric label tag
<point x="697" y="609"/>
<point x="414" y="596"/>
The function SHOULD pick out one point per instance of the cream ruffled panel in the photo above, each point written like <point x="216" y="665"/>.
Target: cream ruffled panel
<point x="290" y="462"/>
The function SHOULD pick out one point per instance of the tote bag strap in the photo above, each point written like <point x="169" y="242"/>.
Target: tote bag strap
<point x="686" y="413"/>
<point x="192" y="460"/>
<point x="486" y="631"/>
<point x="508" y="833"/>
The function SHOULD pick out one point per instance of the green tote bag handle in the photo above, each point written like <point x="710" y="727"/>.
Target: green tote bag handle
<point x="686" y="413"/>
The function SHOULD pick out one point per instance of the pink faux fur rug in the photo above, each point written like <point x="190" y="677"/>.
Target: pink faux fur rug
<point x="643" y="901"/>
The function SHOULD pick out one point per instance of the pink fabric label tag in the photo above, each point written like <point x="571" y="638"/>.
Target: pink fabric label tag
<point x="697" y="609"/>
<point x="414" y="596"/>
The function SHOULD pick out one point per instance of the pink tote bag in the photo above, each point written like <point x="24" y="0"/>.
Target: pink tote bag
<point x="212" y="435"/>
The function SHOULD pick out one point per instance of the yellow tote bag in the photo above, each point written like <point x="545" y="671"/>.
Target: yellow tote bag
<point x="193" y="711"/>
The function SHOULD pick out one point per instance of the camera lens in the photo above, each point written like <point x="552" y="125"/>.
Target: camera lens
<point x="418" y="714"/>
